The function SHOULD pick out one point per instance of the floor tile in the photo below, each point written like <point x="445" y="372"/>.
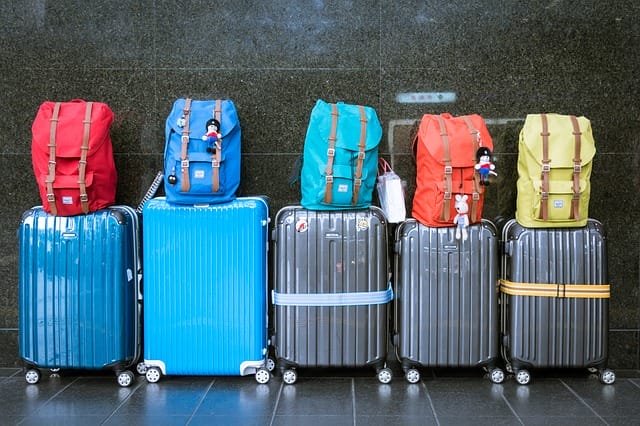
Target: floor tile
<point x="315" y="420"/>
<point x="619" y="400"/>
<point x="396" y="398"/>
<point x="302" y="398"/>
<point x="467" y="398"/>
<point x="240" y="395"/>
<point x="562" y="421"/>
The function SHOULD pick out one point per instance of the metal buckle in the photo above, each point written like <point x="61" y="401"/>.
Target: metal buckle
<point x="84" y="198"/>
<point x="185" y="138"/>
<point x="329" y="179"/>
<point x="357" y="182"/>
<point x="448" y="170"/>
<point x="545" y="195"/>
<point x="51" y="198"/>
<point x="360" y="155"/>
<point x="546" y="168"/>
<point x="447" y="195"/>
<point x="475" y="196"/>
<point x="184" y="164"/>
<point x="331" y="152"/>
<point x="215" y="163"/>
<point x="577" y="168"/>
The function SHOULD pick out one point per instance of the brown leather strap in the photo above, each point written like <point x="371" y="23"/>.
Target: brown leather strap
<point x="216" y="156"/>
<point x="357" y="181"/>
<point x="544" y="201"/>
<point x="184" y="156"/>
<point x="477" y="188"/>
<point x="331" y="152"/>
<point x="51" y="177"/>
<point x="577" y="168"/>
<point x="82" y="164"/>
<point x="448" y="170"/>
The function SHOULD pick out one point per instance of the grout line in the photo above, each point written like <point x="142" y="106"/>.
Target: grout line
<point x="35" y="411"/>
<point x="433" y="409"/>
<point x="353" y="400"/>
<point x="113" y="413"/>
<point x="506" y="401"/>
<point x="204" y="395"/>
<point x="275" y="406"/>
<point x="582" y="401"/>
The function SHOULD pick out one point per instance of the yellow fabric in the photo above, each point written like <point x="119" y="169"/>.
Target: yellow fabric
<point x="593" y="291"/>
<point x="561" y="154"/>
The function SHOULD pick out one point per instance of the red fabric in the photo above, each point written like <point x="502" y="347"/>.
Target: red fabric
<point x="100" y="177"/>
<point x="429" y="150"/>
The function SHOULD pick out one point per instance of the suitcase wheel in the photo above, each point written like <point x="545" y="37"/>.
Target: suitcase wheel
<point x="271" y="364"/>
<point x="385" y="375"/>
<point x="153" y="374"/>
<point x="496" y="376"/>
<point x="32" y="376"/>
<point x="263" y="375"/>
<point x="523" y="377"/>
<point x="290" y="376"/>
<point x="412" y="375"/>
<point x="125" y="378"/>
<point x="141" y="368"/>
<point x="607" y="376"/>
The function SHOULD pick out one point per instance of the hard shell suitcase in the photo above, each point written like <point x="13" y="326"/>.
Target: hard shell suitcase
<point x="555" y="299"/>
<point x="205" y="288"/>
<point x="446" y="306"/>
<point x="79" y="291"/>
<point x="331" y="290"/>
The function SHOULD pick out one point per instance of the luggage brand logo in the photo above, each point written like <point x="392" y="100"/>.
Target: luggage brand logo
<point x="302" y="226"/>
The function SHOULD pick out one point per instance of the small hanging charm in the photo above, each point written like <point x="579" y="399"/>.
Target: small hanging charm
<point x="181" y="121"/>
<point x="484" y="166"/>
<point x="461" y="220"/>
<point x="212" y="135"/>
<point x="172" y="179"/>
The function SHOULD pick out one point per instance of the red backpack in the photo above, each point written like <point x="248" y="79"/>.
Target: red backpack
<point x="446" y="148"/>
<point x="73" y="157"/>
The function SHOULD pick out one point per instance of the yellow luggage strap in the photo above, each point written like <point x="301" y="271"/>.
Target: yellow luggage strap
<point x="585" y="291"/>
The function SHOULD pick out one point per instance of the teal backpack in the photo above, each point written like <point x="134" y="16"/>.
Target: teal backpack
<point x="340" y="158"/>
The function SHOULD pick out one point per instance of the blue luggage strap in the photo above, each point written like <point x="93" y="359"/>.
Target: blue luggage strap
<point x="333" y="299"/>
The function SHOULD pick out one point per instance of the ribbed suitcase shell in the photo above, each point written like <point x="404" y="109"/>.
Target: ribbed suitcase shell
<point x="446" y="306"/>
<point x="552" y="332"/>
<point x="79" y="289"/>
<point x="330" y="252"/>
<point x="205" y="287"/>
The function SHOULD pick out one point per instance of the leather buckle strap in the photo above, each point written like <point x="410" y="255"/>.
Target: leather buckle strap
<point x="577" y="168"/>
<point x="217" y="155"/>
<point x="546" y="169"/>
<point x="361" y="155"/>
<point x="328" y="190"/>
<point x="445" y="214"/>
<point x="184" y="151"/>
<point x="51" y="199"/>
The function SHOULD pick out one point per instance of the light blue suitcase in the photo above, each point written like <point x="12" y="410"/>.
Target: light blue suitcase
<point x="205" y="288"/>
<point x="79" y="292"/>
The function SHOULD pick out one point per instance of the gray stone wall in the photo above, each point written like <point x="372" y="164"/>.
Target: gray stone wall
<point x="501" y="59"/>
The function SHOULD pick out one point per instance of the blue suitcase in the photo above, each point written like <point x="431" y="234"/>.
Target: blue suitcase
<point x="79" y="292"/>
<point x="205" y="285"/>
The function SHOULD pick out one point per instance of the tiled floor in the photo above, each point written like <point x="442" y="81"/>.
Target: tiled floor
<point x="442" y="397"/>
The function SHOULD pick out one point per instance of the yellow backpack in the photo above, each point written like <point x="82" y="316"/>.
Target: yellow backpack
<point x="555" y="154"/>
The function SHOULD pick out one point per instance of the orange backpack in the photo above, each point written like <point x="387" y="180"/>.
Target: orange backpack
<point x="445" y="148"/>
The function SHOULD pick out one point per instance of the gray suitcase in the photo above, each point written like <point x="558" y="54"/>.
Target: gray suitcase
<point x="331" y="290"/>
<point x="555" y="299"/>
<point x="446" y="306"/>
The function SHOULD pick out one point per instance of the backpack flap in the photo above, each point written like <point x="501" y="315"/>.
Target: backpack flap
<point x="202" y="166"/>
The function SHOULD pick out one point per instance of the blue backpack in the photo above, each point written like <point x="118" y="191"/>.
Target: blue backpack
<point x="340" y="158"/>
<point x="202" y="152"/>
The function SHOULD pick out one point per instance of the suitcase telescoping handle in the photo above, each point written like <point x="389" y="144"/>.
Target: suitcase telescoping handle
<point x="151" y="191"/>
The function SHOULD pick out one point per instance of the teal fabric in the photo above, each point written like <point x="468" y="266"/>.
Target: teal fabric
<point x="313" y="174"/>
